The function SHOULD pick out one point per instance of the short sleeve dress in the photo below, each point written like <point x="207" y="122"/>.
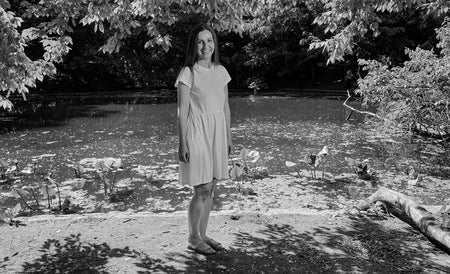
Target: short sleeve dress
<point x="206" y="126"/>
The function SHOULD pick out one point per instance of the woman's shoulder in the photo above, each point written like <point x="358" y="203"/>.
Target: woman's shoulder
<point x="220" y="67"/>
<point x="186" y="70"/>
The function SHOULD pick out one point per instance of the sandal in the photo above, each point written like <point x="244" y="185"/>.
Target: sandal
<point x="215" y="245"/>
<point x="205" y="250"/>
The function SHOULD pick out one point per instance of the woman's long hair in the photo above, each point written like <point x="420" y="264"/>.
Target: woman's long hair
<point x="191" y="49"/>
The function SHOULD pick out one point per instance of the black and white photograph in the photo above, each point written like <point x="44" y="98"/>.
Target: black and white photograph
<point x="225" y="136"/>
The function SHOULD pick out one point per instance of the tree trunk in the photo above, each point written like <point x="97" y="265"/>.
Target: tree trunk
<point x="425" y="221"/>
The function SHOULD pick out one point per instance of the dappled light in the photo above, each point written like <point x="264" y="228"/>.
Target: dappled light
<point x="272" y="130"/>
<point x="316" y="133"/>
<point x="362" y="246"/>
<point x="73" y="255"/>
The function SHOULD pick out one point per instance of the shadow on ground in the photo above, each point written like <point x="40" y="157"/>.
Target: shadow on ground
<point x="75" y="256"/>
<point x="362" y="246"/>
<point x="367" y="247"/>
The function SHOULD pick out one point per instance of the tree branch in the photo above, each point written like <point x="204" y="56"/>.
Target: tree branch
<point x="359" y="111"/>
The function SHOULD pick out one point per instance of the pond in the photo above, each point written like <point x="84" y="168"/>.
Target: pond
<point x="280" y="128"/>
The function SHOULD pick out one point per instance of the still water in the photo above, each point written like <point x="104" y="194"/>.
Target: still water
<point x="280" y="128"/>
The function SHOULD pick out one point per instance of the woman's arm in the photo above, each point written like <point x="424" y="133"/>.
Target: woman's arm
<point x="226" y="110"/>
<point x="183" y="110"/>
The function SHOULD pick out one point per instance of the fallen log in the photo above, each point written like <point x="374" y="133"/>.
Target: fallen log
<point x="401" y="206"/>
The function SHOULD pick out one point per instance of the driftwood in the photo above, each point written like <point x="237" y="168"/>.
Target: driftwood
<point x="401" y="206"/>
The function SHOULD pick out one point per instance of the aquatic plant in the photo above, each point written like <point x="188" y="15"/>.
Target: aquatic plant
<point x="3" y="168"/>
<point x="21" y="194"/>
<point x="78" y="169"/>
<point x="257" y="83"/>
<point x="26" y="187"/>
<point x="244" y="166"/>
<point x="58" y="192"/>
<point x="48" y="192"/>
<point x="34" y="192"/>
<point x="313" y="161"/>
<point x="144" y="171"/>
<point x="10" y="213"/>
<point x="107" y="172"/>
<point x="360" y="168"/>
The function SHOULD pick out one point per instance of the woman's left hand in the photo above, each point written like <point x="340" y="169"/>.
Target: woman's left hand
<point x="230" y="148"/>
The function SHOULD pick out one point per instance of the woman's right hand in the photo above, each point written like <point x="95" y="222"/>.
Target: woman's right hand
<point x="183" y="153"/>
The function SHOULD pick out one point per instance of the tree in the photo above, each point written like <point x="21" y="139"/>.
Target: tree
<point x="278" y="48"/>
<point x="54" y="22"/>
<point x="411" y="96"/>
<point x="349" y="21"/>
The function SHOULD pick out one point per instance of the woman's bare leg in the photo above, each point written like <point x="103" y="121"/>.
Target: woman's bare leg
<point x="196" y="208"/>
<point x="206" y="210"/>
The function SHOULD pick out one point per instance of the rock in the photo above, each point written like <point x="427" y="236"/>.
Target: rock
<point x="363" y="205"/>
<point x="235" y="217"/>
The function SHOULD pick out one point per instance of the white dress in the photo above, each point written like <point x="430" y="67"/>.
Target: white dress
<point x="206" y="126"/>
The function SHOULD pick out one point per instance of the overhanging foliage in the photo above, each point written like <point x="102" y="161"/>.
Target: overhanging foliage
<point x="53" y="22"/>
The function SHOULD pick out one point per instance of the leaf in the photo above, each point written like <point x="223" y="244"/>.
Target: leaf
<point x="149" y="43"/>
<point x="100" y="174"/>
<point x="47" y="191"/>
<point x="149" y="176"/>
<point x="11" y="169"/>
<point x="79" y="168"/>
<point x="30" y="33"/>
<point x="101" y="166"/>
<point x="443" y="210"/>
<point x="312" y="159"/>
<point x="117" y="163"/>
<point x="100" y="27"/>
<point x="290" y="164"/>
<point x="98" y="165"/>
<point x="3" y="163"/>
<point x="254" y="155"/>
<point x="243" y="154"/>
<point x="140" y="170"/>
<point x="351" y="162"/>
<point x="27" y="170"/>
<point x="323" y="152"/>
<point x="51" y="172"/>
<point x="317" y="160"/>
<point x="18" y="192"/>
<point x="112" y="163"/>
<point x="15" y="210"/>
<point x="306" y="159"/>
<point x="361" y="169"/>
<point x="3" y="216"/>
<point x="5" y="104"/>
<point x="236" y="171"/>
<point x="105" y="167"/>
<point x="50" y="180"/>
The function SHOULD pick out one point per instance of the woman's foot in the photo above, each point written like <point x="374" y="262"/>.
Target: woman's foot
<point x="201" y="248"/>
<point x="214" y="244"/>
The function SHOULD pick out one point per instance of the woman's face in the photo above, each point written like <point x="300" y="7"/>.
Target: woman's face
<point x="205" y="45"/>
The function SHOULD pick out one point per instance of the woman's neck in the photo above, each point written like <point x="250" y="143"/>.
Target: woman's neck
<point x="205" y="63"/>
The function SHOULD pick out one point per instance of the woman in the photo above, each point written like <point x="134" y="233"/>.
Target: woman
<point x="204" y="131"/>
